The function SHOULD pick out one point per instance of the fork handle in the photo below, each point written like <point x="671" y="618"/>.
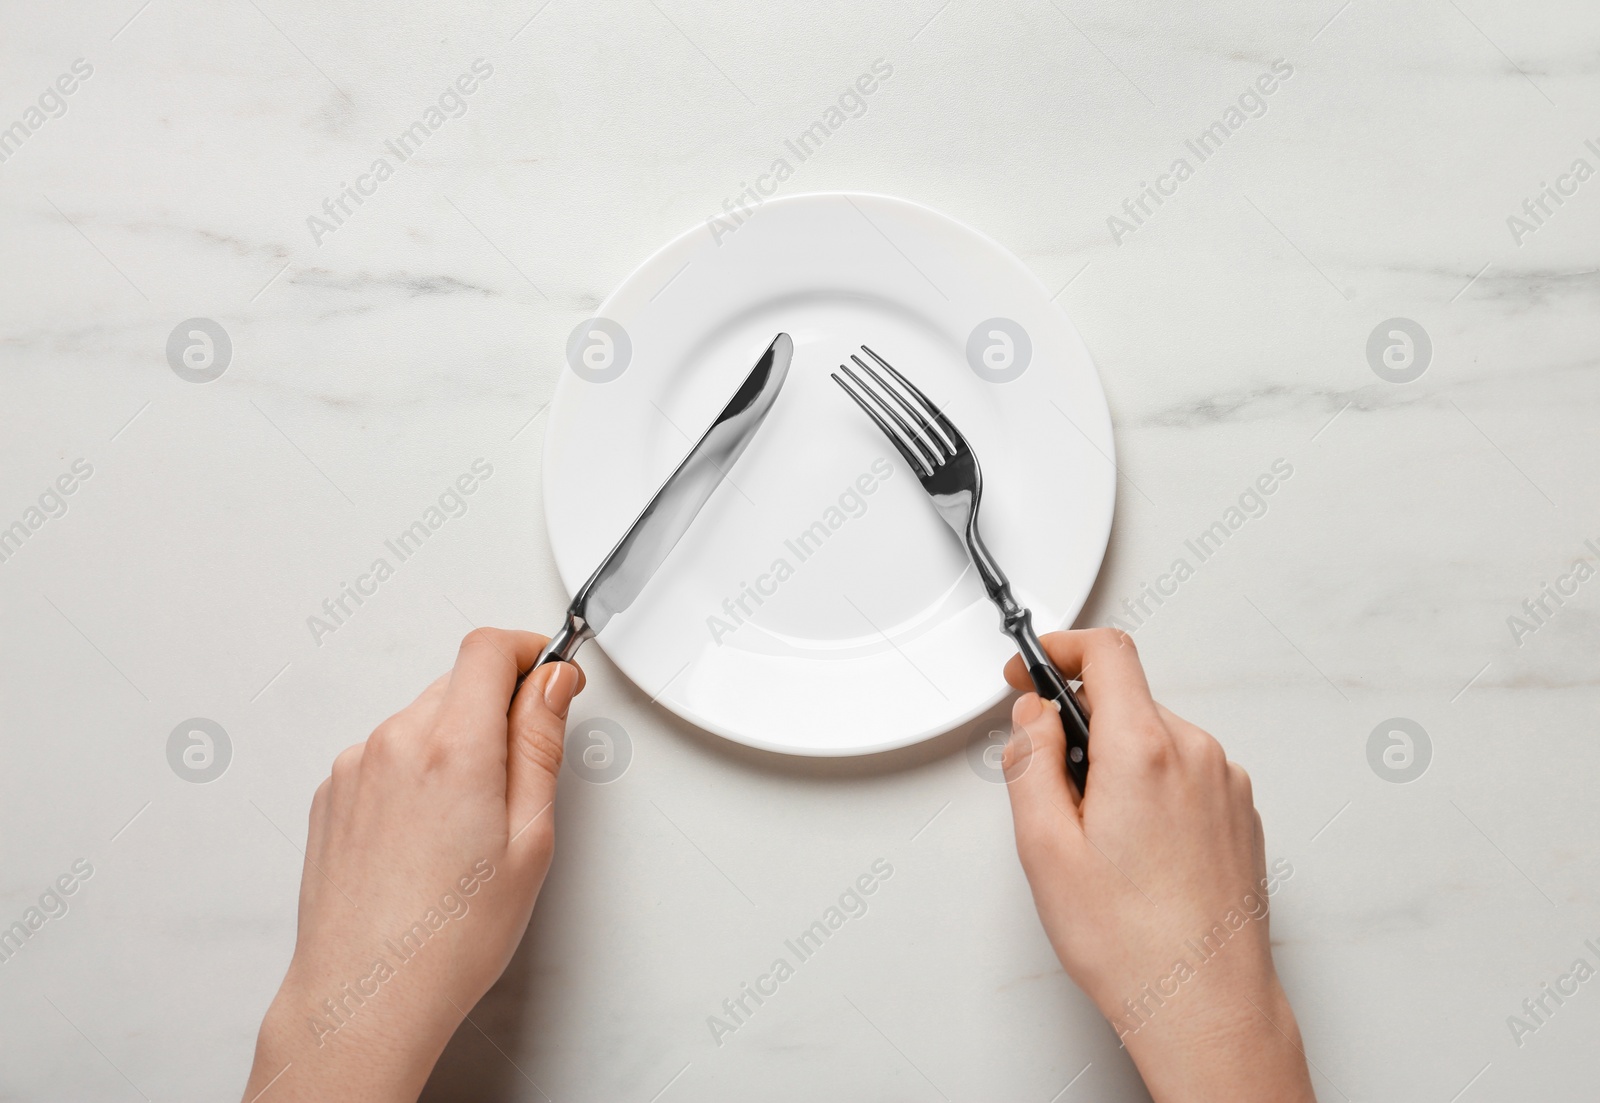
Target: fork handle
<point x="1047" y="680"/>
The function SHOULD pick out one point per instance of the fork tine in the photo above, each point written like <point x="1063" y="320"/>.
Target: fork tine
<point x="928" y="435"/>
<point x="917" y="463"/>
<point x="932" y="416"/>
<point x="923" y="442"/>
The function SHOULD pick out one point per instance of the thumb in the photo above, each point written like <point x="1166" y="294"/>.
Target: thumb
<point x="1035" y="765"/>
<point x="537" y="729"/>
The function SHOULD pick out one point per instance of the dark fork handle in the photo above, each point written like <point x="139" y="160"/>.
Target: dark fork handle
<point x="1017" y="622"/>
<point x="1053" y="687"/>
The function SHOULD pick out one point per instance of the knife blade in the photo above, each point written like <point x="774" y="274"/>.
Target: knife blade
<point x="656" y="531"/>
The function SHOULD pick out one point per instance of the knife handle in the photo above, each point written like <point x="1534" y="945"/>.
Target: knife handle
<point x="1051" y="686"/>
<point x="565" y="643"/>
<point x="562" y="646"/>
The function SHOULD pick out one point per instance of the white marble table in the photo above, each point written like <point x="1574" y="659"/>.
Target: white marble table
<point x="372" y="362"/>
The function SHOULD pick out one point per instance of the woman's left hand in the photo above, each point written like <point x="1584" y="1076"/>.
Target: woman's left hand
<point x="425" y="852"/>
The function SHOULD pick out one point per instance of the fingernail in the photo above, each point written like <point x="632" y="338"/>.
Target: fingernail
<point x="558" y="688"/>
<point x="1027" y="709"/>
<point x="1019" y="748"/>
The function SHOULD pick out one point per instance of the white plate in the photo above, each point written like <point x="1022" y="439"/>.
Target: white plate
<point x="877" y="635"/>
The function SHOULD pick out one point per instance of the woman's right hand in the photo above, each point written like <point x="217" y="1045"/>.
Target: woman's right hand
<point x="1153" y="887"/>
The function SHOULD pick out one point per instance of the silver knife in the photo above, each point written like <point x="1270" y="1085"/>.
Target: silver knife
<point x="656" y="531"/>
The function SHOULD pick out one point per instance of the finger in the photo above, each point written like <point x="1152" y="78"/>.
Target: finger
<point x="1035" y="764"/>
<point x="1107" y="662"/>
<point x="1104" y="659"/>
<point x="478" y="698"/>
<point x="533" y="759"/>
<point x="1016" y="675"/>
<point x="1016" y="670"/>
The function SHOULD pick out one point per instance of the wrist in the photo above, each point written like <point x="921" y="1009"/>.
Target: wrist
<point x="323" y="1053"/>
<point x="1234" y="1041"/>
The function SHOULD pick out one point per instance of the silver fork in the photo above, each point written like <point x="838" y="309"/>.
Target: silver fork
<point x="948" y="469"/>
